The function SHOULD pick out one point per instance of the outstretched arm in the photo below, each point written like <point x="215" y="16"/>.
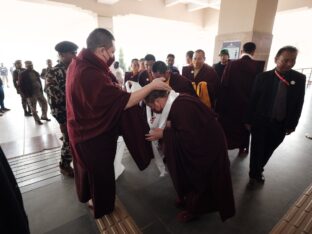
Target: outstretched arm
<point x="137" y="96"/>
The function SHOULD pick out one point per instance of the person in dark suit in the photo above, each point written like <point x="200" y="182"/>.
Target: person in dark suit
<point x="170" y="63"/>
<point x="224" y="59"/>
<point x="234" y="94"/>
<point x="274" y="109"/>
<point x="189" y="61"/>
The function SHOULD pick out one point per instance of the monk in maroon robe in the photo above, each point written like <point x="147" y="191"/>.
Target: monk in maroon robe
<point x="177" y="82"/>
<point x="199" y="72"/>
<point x="196" y="156"/>
<point x="133" y="75"/>
<point x="96" y="109"/>
<point x="145" y="76"/>
<point x="189" y="61"/>
<point x="235" y="91"/>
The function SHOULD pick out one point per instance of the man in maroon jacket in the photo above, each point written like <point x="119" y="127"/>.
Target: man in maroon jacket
<point x="95" y="107"/>
<point x="235" y="91"/>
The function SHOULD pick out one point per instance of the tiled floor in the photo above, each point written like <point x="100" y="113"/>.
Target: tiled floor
<point x="149" y="199"/>
<point x="36" y="170"/>
<point x="298" y="219"/>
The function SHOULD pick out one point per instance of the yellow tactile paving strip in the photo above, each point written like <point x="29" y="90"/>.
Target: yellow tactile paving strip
<point x="118" y="222"/>
<point x="298" y="219"/>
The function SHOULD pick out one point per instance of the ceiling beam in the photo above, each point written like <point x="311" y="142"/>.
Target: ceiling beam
<point x="109" y="2"/>
<point x="196" y="6"/>
<point x="170" y="3"/>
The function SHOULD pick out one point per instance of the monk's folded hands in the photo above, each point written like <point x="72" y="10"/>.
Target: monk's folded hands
<point x="155" y="134"/>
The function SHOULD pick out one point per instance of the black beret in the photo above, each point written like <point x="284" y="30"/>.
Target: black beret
<point x="66" y="46"/>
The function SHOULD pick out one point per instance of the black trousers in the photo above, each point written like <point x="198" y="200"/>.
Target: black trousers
<point x="266" y="136"/>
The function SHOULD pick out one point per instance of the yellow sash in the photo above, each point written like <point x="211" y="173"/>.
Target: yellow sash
<point x="201" y="90"/>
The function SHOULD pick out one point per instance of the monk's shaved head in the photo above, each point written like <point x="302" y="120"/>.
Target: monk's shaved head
<point x="159" y="67"/>
<point x="100" y="37"/>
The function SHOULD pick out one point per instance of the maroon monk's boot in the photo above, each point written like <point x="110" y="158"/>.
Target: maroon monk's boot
<point x="185" y="216"/>
<point x="179" y="203"/>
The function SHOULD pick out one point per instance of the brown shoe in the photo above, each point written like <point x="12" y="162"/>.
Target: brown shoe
<point x="66" y="169"/>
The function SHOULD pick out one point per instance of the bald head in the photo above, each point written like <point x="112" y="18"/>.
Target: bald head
<point x="100" y="37"/>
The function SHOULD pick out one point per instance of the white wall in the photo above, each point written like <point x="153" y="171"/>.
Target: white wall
<point x="293" y="28"/>
<point x="139" y="35"/>
<point x="29" y="31"/>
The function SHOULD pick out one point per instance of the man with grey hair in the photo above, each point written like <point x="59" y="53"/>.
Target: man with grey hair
<point x="96" y="107"/>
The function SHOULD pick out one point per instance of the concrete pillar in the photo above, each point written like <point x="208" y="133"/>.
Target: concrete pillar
<point x="241" y="21"/>
<point x="106" y="22"/>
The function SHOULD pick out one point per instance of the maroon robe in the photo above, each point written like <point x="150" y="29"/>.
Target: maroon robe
<point x="95" y="117"/>
<point x="235" y="91"/>
<point x="208" y="74"/>
<point x="185" y="70"/>
<point x="181" y="84"/>
<point x="145" y="78"/>
<point x="131" y="76"/>
<point x="196" y="156"/>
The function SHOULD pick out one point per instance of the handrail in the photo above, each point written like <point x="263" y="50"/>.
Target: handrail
<point x="308" y="74"/>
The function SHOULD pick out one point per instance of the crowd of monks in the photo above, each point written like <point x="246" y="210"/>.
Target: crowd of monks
<point x="190" y="119"/>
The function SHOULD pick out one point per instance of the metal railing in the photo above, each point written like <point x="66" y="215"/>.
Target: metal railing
<point x="308" y="72"/>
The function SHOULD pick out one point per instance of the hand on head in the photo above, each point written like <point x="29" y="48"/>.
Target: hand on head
<point x="159" y="84"/>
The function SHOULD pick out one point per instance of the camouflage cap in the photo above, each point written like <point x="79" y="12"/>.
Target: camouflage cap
<point x="224" y="52"/>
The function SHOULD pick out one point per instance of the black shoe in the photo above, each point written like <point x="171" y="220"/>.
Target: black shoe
<point x="45" y="118"/>
<point x="39" y="122"/>
<point x="259" y="179"/>
<point x="5" y="109"/>
<point x="66" y="169"/>
<point x="309" y="136"/>
<point x="27" y="114"/>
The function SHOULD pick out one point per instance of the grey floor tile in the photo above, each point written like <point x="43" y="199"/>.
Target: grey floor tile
<point x="81" y="225"/>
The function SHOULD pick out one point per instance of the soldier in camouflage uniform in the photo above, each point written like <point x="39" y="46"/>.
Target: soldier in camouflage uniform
<point x="31" y="88"/>
<point x="55" y="89"/>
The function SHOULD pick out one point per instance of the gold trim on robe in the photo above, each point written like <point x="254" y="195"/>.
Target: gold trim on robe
<point x="201" y="90"/>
